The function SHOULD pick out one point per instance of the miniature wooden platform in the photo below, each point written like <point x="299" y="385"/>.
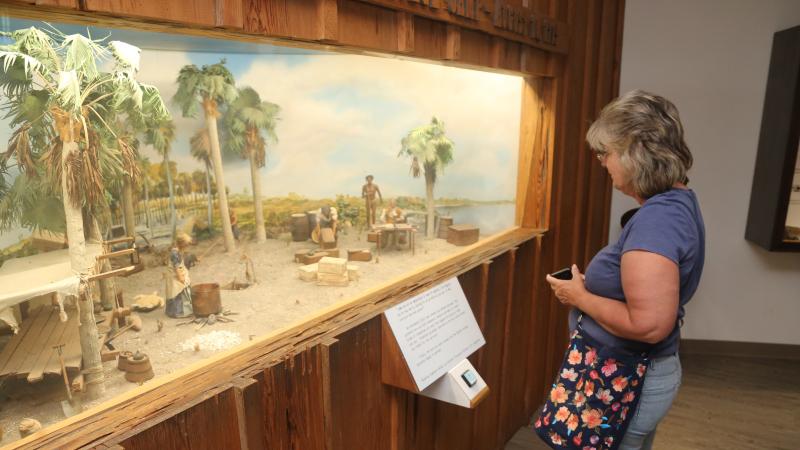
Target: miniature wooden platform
<point x="30" y="354"/>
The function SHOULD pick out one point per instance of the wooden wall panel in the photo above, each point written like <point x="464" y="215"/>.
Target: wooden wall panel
<point x="223" y="13"/>
<point x="313" y="391"/>
<point x="210" y="424"/>
<point x="296" y="19"/>
<point x="430" y="38"/>
<point x="476" y="48"/>
<point x="516" y="342"/>
<point x="367" y="26"/>
<point x="360" y="405"/>
<point x="487" y="412"/>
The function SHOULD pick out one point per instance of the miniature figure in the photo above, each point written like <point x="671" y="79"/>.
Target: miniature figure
<point x="368" y="192"/>
<point x="393" y="214"/>
<point x="234" y="225"/>
<point x="327" y="227"/>
<point x="181" y="304"/>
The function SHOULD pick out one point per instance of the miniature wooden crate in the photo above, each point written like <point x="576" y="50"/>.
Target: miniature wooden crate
<point x="463" y="234"/>
<point x="359" y="254"/>
<point x="334" y="266"/>
<point x="308" y="273"/>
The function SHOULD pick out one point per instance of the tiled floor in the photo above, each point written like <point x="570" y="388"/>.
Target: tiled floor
<point x="724" y="403"/>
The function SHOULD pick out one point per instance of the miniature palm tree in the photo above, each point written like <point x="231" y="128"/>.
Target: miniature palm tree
<point x="210" y="86"/>
<point x="430" y="150"/>
<point x="200" y="148"/>
<point x="61" y="108"/>
<point x="251" y="123"/>
<point x="160" y="135"/>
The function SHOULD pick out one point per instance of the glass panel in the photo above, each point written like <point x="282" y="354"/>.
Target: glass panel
<point x="383" y="165"/>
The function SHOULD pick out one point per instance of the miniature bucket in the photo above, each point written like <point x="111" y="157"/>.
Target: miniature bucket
<point x="205" y="299"/>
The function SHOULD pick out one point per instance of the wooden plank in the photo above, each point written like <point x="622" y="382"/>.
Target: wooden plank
<point x="405" y="32"/>
<point x="27" y="348"/>
<point x="367" y="26"/>
<point x="70" y="334"/>
<point x="509" y="368"/>
<point x="229" y="14"/>
<point x="360" y="405"/>
<point x="47" y="352"/>
<point x="208" y="424"/>
<point x="454" y="424"/>
<point x="13" y="344"/>
<point x="599" y="194"/>
<point x="584" y="157"/>
<point x="430" y="38"/>
<point x="328" y="17"/>
<point x="536" y="153"/>
<point x="202" y="12"/>
<point x="394" y="368"/>
<point x="490" y="20"/>
<point x="247" y="406"/>
<point x="327" y="402"/>
<point x="452" y="48"/>
<point x="485" y="434"/>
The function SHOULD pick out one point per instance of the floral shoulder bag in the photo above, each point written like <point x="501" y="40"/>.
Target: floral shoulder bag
<point x="594" y="396"/>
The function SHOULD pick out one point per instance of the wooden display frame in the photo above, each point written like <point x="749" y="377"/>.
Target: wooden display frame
<point x="777" y="146"/>
<point x="241" y="396"/>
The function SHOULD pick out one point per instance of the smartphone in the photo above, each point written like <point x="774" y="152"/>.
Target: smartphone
<point x="563" y="274"/>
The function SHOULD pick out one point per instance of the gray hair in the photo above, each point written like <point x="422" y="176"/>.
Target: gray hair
<point x="645" y="130"/>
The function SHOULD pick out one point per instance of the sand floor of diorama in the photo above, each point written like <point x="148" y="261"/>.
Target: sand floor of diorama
<point x="279" y="299"/>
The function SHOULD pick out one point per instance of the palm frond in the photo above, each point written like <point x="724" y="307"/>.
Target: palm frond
<point x="126" y="55"/>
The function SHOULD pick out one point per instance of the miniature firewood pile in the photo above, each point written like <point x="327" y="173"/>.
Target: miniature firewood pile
<point x="329" y="272"/>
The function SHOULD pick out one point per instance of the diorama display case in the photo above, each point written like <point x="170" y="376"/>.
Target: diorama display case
<point x="776" y="179"/>
<point x="317" y="383"/>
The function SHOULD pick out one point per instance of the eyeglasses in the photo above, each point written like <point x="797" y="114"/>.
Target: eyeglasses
<point x="601" y="155"/>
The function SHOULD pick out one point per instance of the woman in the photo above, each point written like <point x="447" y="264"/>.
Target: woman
<point x="633" y="294"/>
<point x="180" y="305"/>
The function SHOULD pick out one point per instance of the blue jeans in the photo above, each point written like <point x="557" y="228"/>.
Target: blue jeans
<point x="660" y="388"/>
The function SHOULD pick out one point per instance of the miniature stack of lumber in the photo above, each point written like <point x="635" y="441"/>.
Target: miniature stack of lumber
<point x="329" y="272"/>
<point x="30" y="354"/>
<point x="313" y="256"/>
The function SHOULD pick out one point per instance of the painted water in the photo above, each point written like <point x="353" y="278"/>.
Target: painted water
<point x="490" y="218"/>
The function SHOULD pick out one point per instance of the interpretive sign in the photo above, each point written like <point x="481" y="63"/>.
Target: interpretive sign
<point x="435" y="331"/>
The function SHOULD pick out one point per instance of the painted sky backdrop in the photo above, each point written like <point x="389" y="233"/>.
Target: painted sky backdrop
<point x="343" y="116"/>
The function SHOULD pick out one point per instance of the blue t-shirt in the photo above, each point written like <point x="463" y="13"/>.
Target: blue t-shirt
<point x="669" y="224"/>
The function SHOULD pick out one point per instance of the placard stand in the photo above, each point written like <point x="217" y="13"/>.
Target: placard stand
<point x="450" y="387"/>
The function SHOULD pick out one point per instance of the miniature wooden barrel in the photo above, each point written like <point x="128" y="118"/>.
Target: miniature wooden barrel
<point x="299" y="227"/>
<point x="444" y="224"/>
<point x="205" y="299"/>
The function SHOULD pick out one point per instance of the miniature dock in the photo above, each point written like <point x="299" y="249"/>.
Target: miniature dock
<point x="30" y="354"/>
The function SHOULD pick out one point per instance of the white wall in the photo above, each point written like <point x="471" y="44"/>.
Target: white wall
<point x="711" y="58"/>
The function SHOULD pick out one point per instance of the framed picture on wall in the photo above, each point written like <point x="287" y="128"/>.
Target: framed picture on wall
<point x="773" y="220"/>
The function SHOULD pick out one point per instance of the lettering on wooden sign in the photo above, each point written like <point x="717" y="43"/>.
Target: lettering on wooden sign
<point x="516" y="20"/>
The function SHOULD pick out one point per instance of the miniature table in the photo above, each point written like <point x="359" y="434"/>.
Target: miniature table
<point x="396" y="228"/>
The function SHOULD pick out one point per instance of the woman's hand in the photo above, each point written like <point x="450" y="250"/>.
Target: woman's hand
<point x="569" y="292"/>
